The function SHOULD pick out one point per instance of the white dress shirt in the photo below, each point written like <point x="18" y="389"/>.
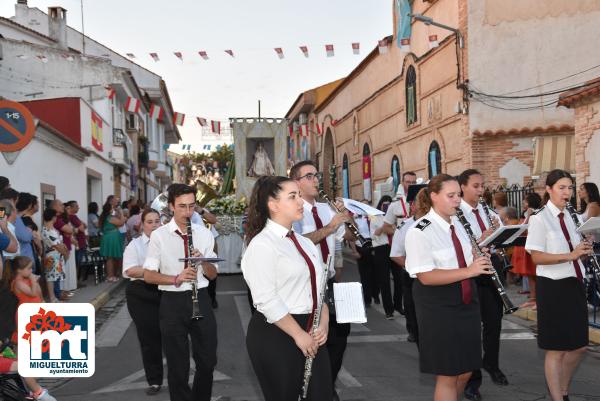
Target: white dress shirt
<point x="432" y="248"/>
<point x="278" y="275"/>
<point x="166" y="247"/>
<point x="472" y="219"/>
<point x="362" y="224"/>
<point x="307" y="225"/>
<point x="135" y="254"/>
<point x="396" y="212"/>
<point x="399" y="240"/>
<point x="545" y="235"/>
<point x="376" y="222"/>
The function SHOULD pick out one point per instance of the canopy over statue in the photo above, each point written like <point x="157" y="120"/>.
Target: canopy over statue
<point x="261" y="164"/>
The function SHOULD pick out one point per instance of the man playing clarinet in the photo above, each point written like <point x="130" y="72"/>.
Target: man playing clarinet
<point x="168" y="244"/>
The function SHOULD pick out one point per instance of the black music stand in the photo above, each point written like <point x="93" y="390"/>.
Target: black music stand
<point x="505" y="236"/>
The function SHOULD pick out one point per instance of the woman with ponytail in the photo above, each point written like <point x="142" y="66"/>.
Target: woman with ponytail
<point x="440" y="257"/>
<point x="284" y="274"/>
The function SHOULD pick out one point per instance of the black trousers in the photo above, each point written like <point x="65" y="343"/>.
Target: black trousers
<point x="491" y="319"/>
<point x="176" y="325"/>
<point x="279" y="364"/>
<point x="367" y="273"/>
<point x="143" y="303"/>
<point x="337" y="340"/>
<point x="409" y="305"/>
<point x="382" y="265"/>
<point x="397" y="275"/>
<point x="212" y="289"/>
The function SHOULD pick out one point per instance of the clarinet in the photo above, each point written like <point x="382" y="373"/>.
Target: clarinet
<point x="315" y="324"/>
<point x="364" y="242"/>
<point x="196" y="315"/>
<point x="592" y="259"/>
<point x="486" y="210"/>
<point x="508" y="305"/>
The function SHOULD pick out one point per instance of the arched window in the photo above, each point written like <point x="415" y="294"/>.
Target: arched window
<point x="366" y="168"/>
<point x="345" y="177"/>
<point x="435" y="159"/>
<point x="395" y="172"/>
<point x="411" y="95"/>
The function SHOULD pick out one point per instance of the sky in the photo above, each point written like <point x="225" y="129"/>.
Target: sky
<point x="222" y="86"/>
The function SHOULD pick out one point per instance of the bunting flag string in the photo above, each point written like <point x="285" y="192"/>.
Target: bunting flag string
<point x="203" y="54"/>
<point x="215" y="126"/>
<point x="156" y="112"/>
<point x="382" y="46"/>
<point x="356" y="48"/>
<point x="329" y="50"/>
<point x="111" y="92"/>
<point x="133" y="105"/>
<point x="433" y="41"/>
<point x="178" y="118"/>
<point x="230" y="52"/>
<point x="304" y="50"/>
<point x="130" y="55"/>
<point x="154" y="56"/>
<point x="279" y="52"/>
<point x="201" y="121"/>
<point x="179" y="55"/>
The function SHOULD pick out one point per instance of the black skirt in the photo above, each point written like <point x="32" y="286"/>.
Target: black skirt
<point x="562" y="314"/>
<point x="449" y="330"/>
<point x="279" y="363"/>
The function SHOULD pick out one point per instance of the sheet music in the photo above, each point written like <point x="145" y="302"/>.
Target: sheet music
<point x="591" y="225"/>
<point x="349" y="303"/>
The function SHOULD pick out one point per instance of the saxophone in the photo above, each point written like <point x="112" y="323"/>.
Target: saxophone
<point x="315" y="324"/>
<point x="196" y="315"/>
<point x="508" y="305"/>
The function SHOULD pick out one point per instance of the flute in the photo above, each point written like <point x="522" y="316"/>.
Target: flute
<point x="364" y="242"/>
<point x="508" y="305"/>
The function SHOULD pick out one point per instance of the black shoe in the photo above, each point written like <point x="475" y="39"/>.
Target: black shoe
<point x="497" y="376"/>
<point x="411" y="338"/>
<point x="389" y="316"/>
<point x="215" y="304"/>
<point x="336" y="397"/>
<point x="153" y="389"/>
<point x="401" y="311"/>
<point x="376" y="300"/>
<point x="472" y="394"/>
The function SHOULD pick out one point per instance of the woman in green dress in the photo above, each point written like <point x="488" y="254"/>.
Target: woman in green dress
<point x="111" y="244"/>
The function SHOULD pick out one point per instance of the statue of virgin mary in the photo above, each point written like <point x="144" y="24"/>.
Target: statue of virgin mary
<point x="261" y="165"/>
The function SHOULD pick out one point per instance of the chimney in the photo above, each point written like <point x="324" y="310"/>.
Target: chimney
<point x="21" y="12"/>
<point x="57" y="26"/>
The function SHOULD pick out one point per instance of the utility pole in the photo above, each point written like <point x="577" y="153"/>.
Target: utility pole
<point x="259" y="110"/>
<point x="82" y="33"/>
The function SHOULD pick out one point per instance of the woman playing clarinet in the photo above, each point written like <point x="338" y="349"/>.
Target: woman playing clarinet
<point x="284" y="273"/>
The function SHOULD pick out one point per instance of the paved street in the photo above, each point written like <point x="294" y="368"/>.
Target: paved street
<point x="379" y="365"/>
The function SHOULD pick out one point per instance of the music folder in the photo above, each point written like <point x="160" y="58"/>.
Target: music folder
<point x="349" y="303"/>
<point x="592" y="224"/>
<point x="504" y="236"/>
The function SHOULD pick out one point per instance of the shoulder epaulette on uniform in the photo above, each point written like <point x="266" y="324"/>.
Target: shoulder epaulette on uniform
<point x="401" y="225"/>
<point x="537" y="211"/>
<point x="422" y="224"/>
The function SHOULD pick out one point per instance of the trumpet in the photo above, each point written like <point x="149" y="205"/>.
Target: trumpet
<point x="364" y="242"/>
<point x="592" y="259"/>
<point x="486" y="210"/>
<point x="508" y="305"/>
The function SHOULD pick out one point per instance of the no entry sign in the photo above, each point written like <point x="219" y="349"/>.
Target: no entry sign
<point x="16" y="126"/>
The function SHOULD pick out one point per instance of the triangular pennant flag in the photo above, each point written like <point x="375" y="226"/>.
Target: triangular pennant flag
<point x="179" y="55"/>
<point x="304" y="50"/>
<point x="291" y="128"/>
<point x="304" y="130"/>
<point x="43" y="59"/>
<point x="201" y="121"/>
<point x="154" y="56"/>
<point x="382" y="45"/>
<point x="230" y="52"/>
<point x="111" y="92"/>
<point x="166" y="146"/>
<point x="433" y="41"/>
<point x="178" y="118"/>
<point x="329" y="50"/>
<point x="215" y="126"/>
<point x="203" y="54"/>
<point x="156" y="112"/>
<point x="319" y="130"/>
<point x="279" y="52"/>
<point x="132" y="105"/>
<point x="356" y="48"/>
<point x="130" y="55"/>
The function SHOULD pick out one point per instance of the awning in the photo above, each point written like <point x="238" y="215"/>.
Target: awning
<point x="554" y="152"/>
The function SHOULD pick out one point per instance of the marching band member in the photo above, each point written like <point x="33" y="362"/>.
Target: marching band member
<point x="381" y="257"/>
<point x="418" y="208"/>
<point x="472" y="187"/>
<point x="167" y="245"/>
<point x="441" y="258"/>
<point x="556" y="249"/>
<point x="143" y="301"/>
<point x="284" y="272"/>
<point x="322" y="226"/>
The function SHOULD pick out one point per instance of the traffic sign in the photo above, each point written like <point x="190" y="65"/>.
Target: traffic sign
<point x="16" y="126"/>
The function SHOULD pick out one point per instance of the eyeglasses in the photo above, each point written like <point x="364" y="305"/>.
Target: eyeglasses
<point x="311" y="176"/>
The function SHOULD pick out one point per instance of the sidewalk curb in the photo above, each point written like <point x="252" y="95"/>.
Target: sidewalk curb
<point x="531" y="315"/>
<point x="104" y="297"/>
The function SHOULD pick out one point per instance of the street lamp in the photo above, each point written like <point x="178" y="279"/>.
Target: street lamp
<point x="429" y="21"/>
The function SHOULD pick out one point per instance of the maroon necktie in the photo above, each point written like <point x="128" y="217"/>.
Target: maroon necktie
<point x="313" y="278"/>
<point x="465" y="285"/>
<point x="323" y="242"/>
<point x="563" y="226"/>
<point x="185" y="242"/>
<point x="479" y="220"/>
